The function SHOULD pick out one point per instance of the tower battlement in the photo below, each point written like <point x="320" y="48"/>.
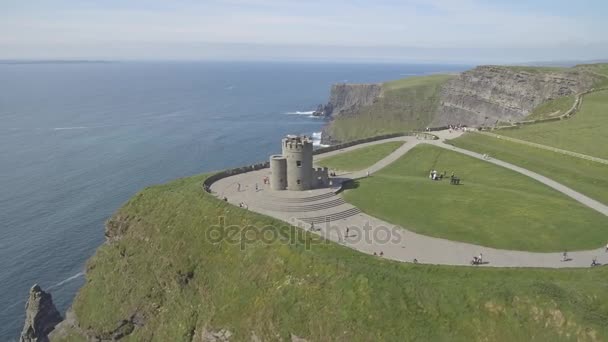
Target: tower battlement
<point x="294" y="142"/>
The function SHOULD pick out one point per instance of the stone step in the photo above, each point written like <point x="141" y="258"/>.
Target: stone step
<point x="335" y="202"/>
<point x="332" y="217"/>
<point x="302" y="199"/>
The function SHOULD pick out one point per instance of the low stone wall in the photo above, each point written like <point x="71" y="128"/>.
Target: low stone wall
<point x="576" y="106"/>
<point x="231" y="172"/>
<point x="357" y="142"/>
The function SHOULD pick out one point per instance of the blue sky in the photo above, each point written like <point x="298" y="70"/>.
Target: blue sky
<point x="470" y="31"/>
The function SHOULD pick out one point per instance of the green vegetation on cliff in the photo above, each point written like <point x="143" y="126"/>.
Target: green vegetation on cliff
<point x="161" y="279"/>
<point x="586" y="132"/>
<point x="404" y="105"/>
<point x="495" y="207"/>
<point x="553" y="108"/>
<point x="587" y="177"/>
<point x="360" y="158"/>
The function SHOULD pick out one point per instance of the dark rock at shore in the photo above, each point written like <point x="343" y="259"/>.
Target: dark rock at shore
<point x="41" y="316"/>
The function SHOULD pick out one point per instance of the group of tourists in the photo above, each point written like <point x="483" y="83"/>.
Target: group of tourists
<point x="434" y="175"/>
<point x="457" y="128"/>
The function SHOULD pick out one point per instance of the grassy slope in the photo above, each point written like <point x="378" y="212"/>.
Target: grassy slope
<point x="326" y="293"/>
<point x="495" y="207"/>
<point x="553" y="108"/>
<point x="361" y="158"/>
<point x="586" y="132"/>
<point x="587" y="177"/>
<point x="406" y="104"/>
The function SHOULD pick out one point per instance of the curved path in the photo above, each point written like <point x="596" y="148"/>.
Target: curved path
<point x="325" y="213"/>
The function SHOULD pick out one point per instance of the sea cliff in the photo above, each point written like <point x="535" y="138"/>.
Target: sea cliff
<point x="485" y="95"/>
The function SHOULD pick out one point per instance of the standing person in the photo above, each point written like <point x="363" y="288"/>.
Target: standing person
<point x="480" y="258"/>
<point x="607" y="248"/>
<point x="565" y="256"/>
<point x="347" y="231"/>
<point x="367" y="174"/>
<point x="238" y="187"/>
<point x="256" y="187"/>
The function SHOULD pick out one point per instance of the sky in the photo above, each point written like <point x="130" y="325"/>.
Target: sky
<point x="448" y="31"/>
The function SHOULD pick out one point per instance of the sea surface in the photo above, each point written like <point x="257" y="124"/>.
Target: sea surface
<point x="79" y="139"/>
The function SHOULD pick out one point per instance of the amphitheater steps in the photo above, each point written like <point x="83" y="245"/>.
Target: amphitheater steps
<point x="332" y="217"/>
<point x="315" y="198"/>
<point x="332" y="203"/>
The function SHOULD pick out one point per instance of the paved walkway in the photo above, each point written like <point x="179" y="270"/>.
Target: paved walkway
<point x="325" y="213"/>
<point x="545" y="147"/>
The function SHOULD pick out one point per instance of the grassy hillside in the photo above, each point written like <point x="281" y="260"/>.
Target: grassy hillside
<point x="164" y="274"/>
<point x="586" y="132"/>
<point x="553" y="108"/>
<point x="405" y="105"/>
<point x="600" y="70"/>
<point x="587" y="177"/>
<point x="495" y="207"/>
<point x="361" y="158"/>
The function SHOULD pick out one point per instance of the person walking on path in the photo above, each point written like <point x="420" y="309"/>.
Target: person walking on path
<point x="238" y="187"/>
<point x="347" y="231"/>
<point x="607" y="248"/>
<point x="367" y="174"/>
<point x="565" y="256"/>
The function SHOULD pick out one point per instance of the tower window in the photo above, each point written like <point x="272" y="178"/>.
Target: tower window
<point x="299" y="163"/>
<point x="298" y="181"/>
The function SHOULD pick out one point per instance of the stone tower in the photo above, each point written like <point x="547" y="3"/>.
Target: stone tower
<point x="293" y="169"/>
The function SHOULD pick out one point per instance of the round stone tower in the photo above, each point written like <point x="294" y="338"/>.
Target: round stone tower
<point x="297" y="150"/>
<point x="278" y="172"/>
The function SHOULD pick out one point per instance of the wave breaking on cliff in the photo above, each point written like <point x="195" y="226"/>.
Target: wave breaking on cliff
<point x="316" y="139"/>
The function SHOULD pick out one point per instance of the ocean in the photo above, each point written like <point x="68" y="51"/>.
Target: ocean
<point x="79" y="139"/>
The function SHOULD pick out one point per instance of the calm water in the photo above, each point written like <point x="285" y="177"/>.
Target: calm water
<point x="77" y="140"/>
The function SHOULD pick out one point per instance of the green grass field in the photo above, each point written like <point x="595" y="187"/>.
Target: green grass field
<point x="553" y="108"/>
<point x="535" y="69"/>
<point x="361" y="158"/>
<point x="406" y="105"/>
<point x="586" y="132"/>
<point x="165" y="271"/>
<point x="587" y="177"/>
<point x="495" y="207"/>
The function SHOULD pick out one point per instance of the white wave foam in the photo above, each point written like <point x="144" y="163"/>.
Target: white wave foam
<point x="316" y="139"/>
<point x="75" y="276"/>
<point x="68" y="128"/>
<point x="300" y="113"/>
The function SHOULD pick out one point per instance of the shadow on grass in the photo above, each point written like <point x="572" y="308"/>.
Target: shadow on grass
<point x="349" y="185"/>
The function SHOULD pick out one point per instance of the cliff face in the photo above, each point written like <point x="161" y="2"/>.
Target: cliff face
<point x="485" y="95"/>
<point x="41" y="316"/>
<point x="488" y="94"/>
<point x="347" y="98"/>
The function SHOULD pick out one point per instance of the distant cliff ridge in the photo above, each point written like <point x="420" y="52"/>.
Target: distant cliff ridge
<point x="485" y="95"/>
<point x="347" y="98"/>
<point x="488" y="94"/>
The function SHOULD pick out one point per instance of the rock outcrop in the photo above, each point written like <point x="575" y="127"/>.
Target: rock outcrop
<point x="41" y="316"/>
<point x="490" y="94"/>
<point x="486" y="95"/>
<point x="347" y="98"/>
